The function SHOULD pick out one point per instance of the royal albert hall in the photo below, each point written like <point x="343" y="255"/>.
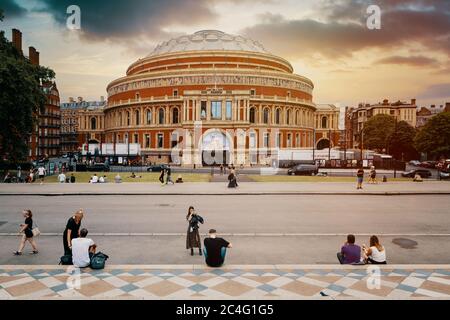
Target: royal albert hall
<point x="211" y="92"/>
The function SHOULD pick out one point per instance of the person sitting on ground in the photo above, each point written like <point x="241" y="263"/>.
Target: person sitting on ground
<point x="83" y="250"/>
<point x="376" y="253"/>
<point x="101" y="180"/>
<point x="72" y="178"/>
<point x="350" y="252"/>
<point x="417" y="178"/>
<point x="62" y="178"/>
<point x="133" y="176"/>
<point x="8" y="178"/>
<point x="179" y="179"/>
<point x="118" y="179"/>
<point x="94" y="178"/>
<point x="215" y="249"/>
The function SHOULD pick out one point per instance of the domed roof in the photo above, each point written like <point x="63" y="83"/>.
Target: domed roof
<point x="208" y="40"/>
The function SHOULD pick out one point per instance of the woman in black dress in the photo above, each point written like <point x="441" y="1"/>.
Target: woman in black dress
<point x="193" y="236"/>
<point x="72" y="231"/>
<point x="27" y="230"/>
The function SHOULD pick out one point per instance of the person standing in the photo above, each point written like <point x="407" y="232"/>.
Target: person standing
<point x="72" y="231"/>
<point x="232" y="180"/>
<point x="193" y="235"/>
<point x="161" y="175"/>
<point x="373" y="175"/>
<point x="169" y="175"/>
<point x="359" y="178"/>
<point x="41" y="173"/>
<point x="26" y="229"/>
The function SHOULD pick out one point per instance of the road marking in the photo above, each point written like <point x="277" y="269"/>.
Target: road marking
<point x="175" y="234"/>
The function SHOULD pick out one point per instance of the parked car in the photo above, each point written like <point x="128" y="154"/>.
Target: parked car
<point x="303" y="170"/>
<point x="415" y="163"/>
<point x="98" y="167"/>
<point x="421" y="172"/>
<point x="428" y="164"/>
<point x="157" y="168"/>
<point x="444" y="175"/>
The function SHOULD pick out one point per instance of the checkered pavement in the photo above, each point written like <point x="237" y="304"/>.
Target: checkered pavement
<point x="230" y="282"/>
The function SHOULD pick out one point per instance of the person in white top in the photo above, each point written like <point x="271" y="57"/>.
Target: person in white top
<point x="94" y="179"/>
<point x="83" y="249"/>
<point x="62" y="178"/>
<point x="41" y="173"/>
<point x="376" y="253"/>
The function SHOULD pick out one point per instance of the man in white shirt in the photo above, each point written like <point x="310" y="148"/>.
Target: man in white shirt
<point x="82" y="250"/>
<point x="62" y="178"/>
<point x="41" y="173"/>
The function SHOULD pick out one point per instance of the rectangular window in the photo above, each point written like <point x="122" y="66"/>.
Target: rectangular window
<point x="278" y="142"/>
<point x="136" y="138"/>
<point x="147" y="141"/>
<point x="203" y="110"/>
<point x="229" y="110"/>
<point x="252" y="92"/>
<point x="175" y="93"/>
<point x="252" y="140"/>
<point x="160" y="140"/>
<point x="266" y="143"/>
<point x="289" y="140"/>
<point x="216" y="110"/>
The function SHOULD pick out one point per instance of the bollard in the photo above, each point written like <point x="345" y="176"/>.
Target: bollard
<point x="384" y="178"/>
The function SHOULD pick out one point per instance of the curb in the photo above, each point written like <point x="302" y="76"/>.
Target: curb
<point x="295" y="193"/>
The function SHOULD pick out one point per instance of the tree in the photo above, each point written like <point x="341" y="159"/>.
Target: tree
<point x="383" y="133"/>
<point x="434" y="137"/>
<point x="402" y="142"/>
<point x="21" y="97"/>
<point x="378" y="131"/>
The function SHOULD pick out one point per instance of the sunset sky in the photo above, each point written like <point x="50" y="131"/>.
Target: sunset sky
<point x="327" y="41"/>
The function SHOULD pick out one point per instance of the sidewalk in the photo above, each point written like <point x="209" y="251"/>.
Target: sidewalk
<point x="245" y="188"/>
<point x="230" y="282"/>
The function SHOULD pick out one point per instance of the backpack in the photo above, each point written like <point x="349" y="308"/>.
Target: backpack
<point x="98" y="260"/>
<point x="66" y="260"/>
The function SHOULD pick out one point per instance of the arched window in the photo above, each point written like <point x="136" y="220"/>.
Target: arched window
<point x="149" y="116"/>
<point x="161" y="116"/>
<point x="128" y="118"/>
<point x="252" y="115"/>
<point x="93" y="124"/>
<point x="324" y="122"/>
<point x="266" y="116"/>
<point x="288" y="117"/>
<point x="137" y="116"/>
<point x="120" y="119"/>
<point x="277" y="116"/>
<point x="175" y="118"/>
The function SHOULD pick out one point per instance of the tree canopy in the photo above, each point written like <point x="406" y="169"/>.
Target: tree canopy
<point x="382" y="133"/>
<point x="21" y="97"/>
<point x="434" y="137"/>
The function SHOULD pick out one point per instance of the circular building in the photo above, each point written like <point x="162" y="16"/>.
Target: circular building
<point x="211" y="98"/>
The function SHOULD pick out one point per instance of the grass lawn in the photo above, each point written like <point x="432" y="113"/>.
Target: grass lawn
<point x="287" y="178"/>
<point x="84" y="177"/>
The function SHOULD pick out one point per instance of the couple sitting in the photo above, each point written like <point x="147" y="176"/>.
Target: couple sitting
<point x="352" y="254"/>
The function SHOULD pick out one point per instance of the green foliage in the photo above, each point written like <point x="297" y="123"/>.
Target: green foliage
<point x="382" y="133"/>
<point x="434" y="137"/>
<point x="377" y="132"/>
<point x="21" y="96"/>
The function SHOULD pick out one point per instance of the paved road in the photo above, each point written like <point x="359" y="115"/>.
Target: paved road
<point x="265" y="229"/>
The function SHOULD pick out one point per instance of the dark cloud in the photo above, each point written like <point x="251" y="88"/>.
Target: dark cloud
<point x="121" y="20"/>
<point x="342" y="29"/>
<point x="436" y="91"/>
<point x="416" y="61"/>
<point x="11" y="9"/>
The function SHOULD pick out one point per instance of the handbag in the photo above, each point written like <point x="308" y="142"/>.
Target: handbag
<point x="36" y="231"/>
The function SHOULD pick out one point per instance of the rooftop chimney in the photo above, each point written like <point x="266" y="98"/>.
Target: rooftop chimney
<point x="33" y="56"/>
<point x="80" y="99"/>
<point x="71" y="100"/>
<point x="413" y="102"/>
<point x="17" y="40"/>
<point x="385" y="101"/>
